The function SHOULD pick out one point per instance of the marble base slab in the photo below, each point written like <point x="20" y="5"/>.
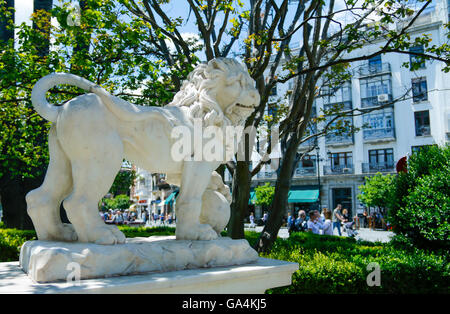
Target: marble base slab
<point x="46" y="261"/>
<point x="253" y="278"/>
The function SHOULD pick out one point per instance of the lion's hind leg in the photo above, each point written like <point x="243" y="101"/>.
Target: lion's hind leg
<point x="93" y="176"/>
<point x="194" y="180"/>
<point x="44" y="202"/>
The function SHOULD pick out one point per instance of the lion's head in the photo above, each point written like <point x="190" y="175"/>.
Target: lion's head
<point x="217" y="91"/>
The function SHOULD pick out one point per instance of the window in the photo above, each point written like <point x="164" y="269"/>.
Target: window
<point x="419" y="89"/>
<point x="422" y="120"/>
<point x="375" y="90"/>
<point x="380" y="124"/>
<point x="272" y="110"/>
<point x="341" y="159"/>
<point x="381" y="156"/>
<point x="340" y="131"/>
<point x="273" y="91"/>
<point x="416" y="149"/>
<point x="307" y="161"/>
<point x="448" y="9"/>
<point x="341" y="95"/>
<point x="414" y="60"/>
<point x="375" y="64"/>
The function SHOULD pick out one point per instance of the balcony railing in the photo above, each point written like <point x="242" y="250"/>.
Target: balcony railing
<point x="374" y="69"/>
<point x="376" y="134"/>
<point x="305" y="171"/>
<point x="332" y="139"/>
<point x="378" y="167"/>
<point x="338" y="169"/>
<point x="375" y="100"/>
<point x="266" y="175"/>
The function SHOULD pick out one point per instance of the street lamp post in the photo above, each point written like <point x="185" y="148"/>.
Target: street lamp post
<point x="318" y="173"/>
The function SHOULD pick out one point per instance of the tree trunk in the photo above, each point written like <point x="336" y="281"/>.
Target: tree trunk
<point x="46" y="5"/>
<point x="240" y="196"/>
<point x="5" y="32"/>
<point x="13" y="202"/>
<point x="279" y="203"/>
<point x="83" y="38"/>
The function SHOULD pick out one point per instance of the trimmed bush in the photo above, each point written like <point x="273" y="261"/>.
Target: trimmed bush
<point x="11" y="240"/>
<point x="420" y="202"/>
<point x="330" y="264"/>
<point x="133" y="232"/>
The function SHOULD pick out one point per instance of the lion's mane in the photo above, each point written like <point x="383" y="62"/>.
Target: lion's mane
<point x="196" y="91"/>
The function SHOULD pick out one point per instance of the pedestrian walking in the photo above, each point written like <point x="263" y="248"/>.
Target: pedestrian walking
<point x="252" y="220"/>
<point x="337" y="218"/>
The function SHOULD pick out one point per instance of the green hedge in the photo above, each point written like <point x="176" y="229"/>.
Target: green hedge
<point x="419" y="205"/>
<point x="11" y="240"/>
<point x="329" y="264"/>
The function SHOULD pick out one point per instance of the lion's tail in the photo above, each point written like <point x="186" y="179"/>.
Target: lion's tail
<point x="121" y="108"/>
<point x="41" y="105"/>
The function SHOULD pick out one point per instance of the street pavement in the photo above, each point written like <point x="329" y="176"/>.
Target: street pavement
<point x="365" y="234"/>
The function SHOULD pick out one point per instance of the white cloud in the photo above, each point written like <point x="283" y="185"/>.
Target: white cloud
<point x="191" y="37"/>
<point x="24" y="9"/>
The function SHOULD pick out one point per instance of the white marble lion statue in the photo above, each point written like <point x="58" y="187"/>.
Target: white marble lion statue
<point x="92" y="134"/>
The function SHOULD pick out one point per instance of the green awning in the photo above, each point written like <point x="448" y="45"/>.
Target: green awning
<point x="171" y="197"/>
<point x="252" y="199"/>
<point x="303" y="196"/>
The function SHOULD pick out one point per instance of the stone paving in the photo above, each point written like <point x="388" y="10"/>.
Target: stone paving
<point x="363" y="234"/>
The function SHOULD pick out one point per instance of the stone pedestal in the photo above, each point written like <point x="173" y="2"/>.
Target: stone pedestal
<point x="251" y="278"/>
<point x="46" y="261"/>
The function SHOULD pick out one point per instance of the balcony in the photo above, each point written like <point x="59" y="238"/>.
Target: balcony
<point x="374" y="69"/>
<point x="378" y="134"/>
<point x="305" y="171"/>
<point x="378" y="167"/>
<point x="377" y="100"/>
<point x="338" y="140"/>
<point x="339" y="169"/>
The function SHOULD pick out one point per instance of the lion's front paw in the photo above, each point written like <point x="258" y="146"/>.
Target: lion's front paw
<point x="107" y="235"/>
<point x="195" y="232"/>
<point x="69" y="233"/>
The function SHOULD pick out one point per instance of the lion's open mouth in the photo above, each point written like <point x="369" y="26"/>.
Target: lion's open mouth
<point x="244" y="106"/>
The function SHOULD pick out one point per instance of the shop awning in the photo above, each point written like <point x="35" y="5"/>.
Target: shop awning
<point x="303" y="196"/>
<point x="171" y="197"/>
<point x="252" y="198"/>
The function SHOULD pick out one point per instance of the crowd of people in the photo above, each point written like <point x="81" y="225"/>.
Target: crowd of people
<point x="315" y="222"/>
<point x="119" y="217"/>
<point x="322" y="223"/>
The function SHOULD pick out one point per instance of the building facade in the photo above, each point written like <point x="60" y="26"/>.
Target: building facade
<point x="338" y="163"/>
<point x="152" y="193"/>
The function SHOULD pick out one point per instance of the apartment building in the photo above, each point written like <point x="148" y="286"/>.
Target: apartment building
<point x="338" y="164"/>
